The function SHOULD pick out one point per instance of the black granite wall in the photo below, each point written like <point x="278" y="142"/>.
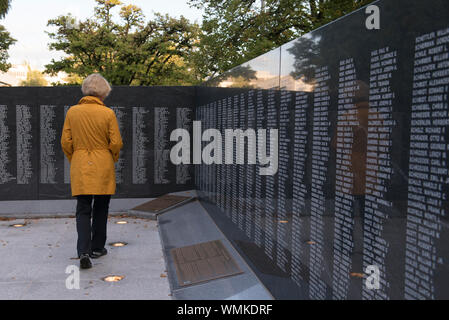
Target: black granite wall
<point x="33" y="166"/>
<point x="363" y="177"/>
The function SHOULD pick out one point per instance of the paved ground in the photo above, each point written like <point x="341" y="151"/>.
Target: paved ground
<point x="34" y="259"/>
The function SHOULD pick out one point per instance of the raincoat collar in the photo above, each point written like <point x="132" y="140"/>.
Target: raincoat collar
<point x="91" y="100"/>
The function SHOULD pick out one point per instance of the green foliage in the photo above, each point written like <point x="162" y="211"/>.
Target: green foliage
<point x="4" y="7"/>
<point x="128" y="52"/>
<point x="35" y="78"/>
<point x="6" y="40"/>
<point x="235" y="31"/>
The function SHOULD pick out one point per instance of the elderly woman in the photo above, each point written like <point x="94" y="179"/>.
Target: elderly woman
<point x="91" y="141"/>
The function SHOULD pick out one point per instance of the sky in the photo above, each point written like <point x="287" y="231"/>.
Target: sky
<point x="27" y="23"/>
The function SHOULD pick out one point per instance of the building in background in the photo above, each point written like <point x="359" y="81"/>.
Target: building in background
<point x="19" y="73"/>
<point x="15" y="75"/>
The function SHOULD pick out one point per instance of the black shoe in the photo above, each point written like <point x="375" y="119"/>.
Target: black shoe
<point x="98" y="253"/>
<point x="85" y="262"/>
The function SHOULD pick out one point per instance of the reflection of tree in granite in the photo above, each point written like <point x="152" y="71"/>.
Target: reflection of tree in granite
<point x="318" y="48"/>
<point x="307" y="54"/>
<point x="241" y="82"/>
<point x="238" y="77"/>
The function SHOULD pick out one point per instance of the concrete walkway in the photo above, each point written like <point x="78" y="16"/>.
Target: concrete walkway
<point x="34" y="259"/>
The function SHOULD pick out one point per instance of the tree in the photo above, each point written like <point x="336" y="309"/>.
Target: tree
<point x="128" y="52"/>
<point x="6" y="40"/>
<point x="235" y="31"/>
<point x="4" y="7"/>
<point x="35" y="78"/>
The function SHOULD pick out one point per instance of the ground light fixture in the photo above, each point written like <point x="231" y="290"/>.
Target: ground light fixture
<point x="17" y="225"/>
<point x="122" y="222"/>
<point x="113" y="278"/>
<point x="118" y="244"/>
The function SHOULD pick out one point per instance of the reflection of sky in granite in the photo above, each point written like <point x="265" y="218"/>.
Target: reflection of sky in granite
<point x="269" y="63"/>
<point x="265" y="69"/>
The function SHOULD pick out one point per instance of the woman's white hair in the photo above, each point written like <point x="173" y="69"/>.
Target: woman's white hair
<point x="97" y="86"/>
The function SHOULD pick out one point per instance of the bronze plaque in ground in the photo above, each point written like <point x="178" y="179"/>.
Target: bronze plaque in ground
<point x="203" y="262"/>
<point x="163" y="203"/>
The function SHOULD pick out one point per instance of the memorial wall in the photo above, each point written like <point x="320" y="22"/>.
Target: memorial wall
<point x="33" y="166"/>
<point x="357" y="206"/>
<point x="336" y="186"/>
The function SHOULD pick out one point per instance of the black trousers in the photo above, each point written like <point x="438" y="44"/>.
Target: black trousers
<point x="91" y="236"/>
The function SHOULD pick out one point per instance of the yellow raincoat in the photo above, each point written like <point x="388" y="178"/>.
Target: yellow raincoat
<point x="91" y="141"/>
